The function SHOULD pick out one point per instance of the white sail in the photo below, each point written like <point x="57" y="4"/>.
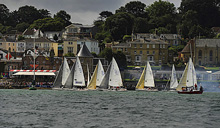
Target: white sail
<point x="58" y="79"/>
<point x="105" y="81"/>
<point x="173" y="81"/>
<point x="149" y="77"/>
<point x="115" y="79"/>
<point x="65" y="72"/>
<point x="78" y="76"/>
<point x="100" y="74"/>
<point x="188" y="78"/>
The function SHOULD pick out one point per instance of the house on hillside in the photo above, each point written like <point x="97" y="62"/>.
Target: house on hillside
<point x="79" y="30"/>
<point x="31" y="33"/>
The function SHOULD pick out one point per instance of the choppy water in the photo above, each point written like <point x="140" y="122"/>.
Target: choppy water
<point x="97" y="109"/>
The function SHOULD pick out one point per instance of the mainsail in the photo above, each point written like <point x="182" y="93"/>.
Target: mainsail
<point x="115" y="79"/>
<point x="140" y="84"/>
<point x="58" y="80"/>
<point x="188" y="78"/>
<point x="66" y="71"/>
<point x="173" y="81"/>
<point x="105" y="80"/>
<point x="78" y="76"/>
<point x="149" y="78"/>
<point x="92" y="83"/>
<point x="62" y="74"/>
<point x="100" y="74"/>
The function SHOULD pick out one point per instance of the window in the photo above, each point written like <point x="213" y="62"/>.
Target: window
<point x="141" y="45"/>
<point x="140" y="52"/>
<point x="135" y="52"/>
<point x="121" y="49"/>
<point x="69" y="49"/>
<point x="147" y="45"/>
<point x="8" y="44"/>
<point x="0" y="43"/>
<point x="163" y="45"/>
<point x="125" y="49"/>
<point x="210" y="55"/>
<point x="148" y="52"/>
<point x="135" y="45"/>
<point x="153" y="46"/>
<point x="153" y="52"/>
<point x="200" y="53"/>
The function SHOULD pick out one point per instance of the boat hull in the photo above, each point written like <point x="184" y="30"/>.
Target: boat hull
<point x="190" y="92"/>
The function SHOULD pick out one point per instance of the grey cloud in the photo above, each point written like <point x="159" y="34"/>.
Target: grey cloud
<point x="84" y="11"/>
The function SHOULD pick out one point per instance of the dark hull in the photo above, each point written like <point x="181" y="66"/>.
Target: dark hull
<point x="190" y="92"/>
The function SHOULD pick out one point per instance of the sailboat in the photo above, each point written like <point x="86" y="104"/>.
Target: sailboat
<point x="97" y="77"/>
<point x="173" y="80"/>
<point x="62" y="75"/>
<point x="112" y="79"/>
<point x="188" y="81"/>
<point x="146" y="81"/>
<point x="76" y="77"/>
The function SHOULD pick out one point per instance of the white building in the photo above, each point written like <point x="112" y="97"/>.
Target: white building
<point x="91" y="44"/>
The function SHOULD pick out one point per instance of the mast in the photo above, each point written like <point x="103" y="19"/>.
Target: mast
<point x="34" y="62"/>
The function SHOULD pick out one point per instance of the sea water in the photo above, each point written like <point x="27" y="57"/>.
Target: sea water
<point x="108" y="109"/>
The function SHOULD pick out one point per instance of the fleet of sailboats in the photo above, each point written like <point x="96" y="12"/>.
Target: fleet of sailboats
<point x="67" y="79"/>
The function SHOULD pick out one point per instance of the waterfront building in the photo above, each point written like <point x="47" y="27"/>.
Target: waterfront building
<point x="42" y="45"/>
<point x="204" y="52"/>
<point x="70" y="45"/>
<point x="139" y="51"/>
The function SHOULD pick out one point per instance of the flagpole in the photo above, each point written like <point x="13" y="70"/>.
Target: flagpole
<point x="34" y="60"/>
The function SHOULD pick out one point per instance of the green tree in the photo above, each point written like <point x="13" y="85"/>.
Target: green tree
<point x="22" y="26"/>
<point x="141" y="25"/>
<point x="48" y="24"/>
<point x="105" y="14"/>
<point x="107" y="54"/>
<point x="162" y="14"/>
<point x="4" y="14"/>
<point x="119" y="25"/>
<point x="136" y="8"/>
<point x="208" y="11"/>
<point x="64" y="16"/>
<point x="28" y="14"/>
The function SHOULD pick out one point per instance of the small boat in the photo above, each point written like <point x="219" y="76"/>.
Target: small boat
<point x="97" y="77"/>
<point x="76" y="77"/>
<point x="112" y="79"/>
<point x="146" y="81"/>
<point x="62" y="76"/>
<point x="188" y="81"/>
<point x="173" y="81"/>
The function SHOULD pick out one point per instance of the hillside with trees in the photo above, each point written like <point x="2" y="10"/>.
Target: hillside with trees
<point x="193" y="18"/>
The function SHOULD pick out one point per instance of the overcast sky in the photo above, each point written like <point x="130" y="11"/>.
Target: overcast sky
<point x="81" y="11"/>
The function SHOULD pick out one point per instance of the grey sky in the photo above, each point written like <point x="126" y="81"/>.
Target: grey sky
<point x="81" y="11"/>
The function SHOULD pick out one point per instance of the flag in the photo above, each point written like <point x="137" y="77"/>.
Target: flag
<point x="32" y="65"/>
<point x="8" y="56"/>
